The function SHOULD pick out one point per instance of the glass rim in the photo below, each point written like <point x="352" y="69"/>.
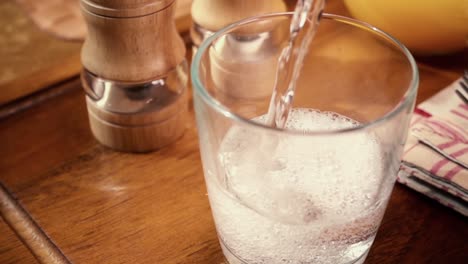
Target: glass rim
<point x="200" y="89"/>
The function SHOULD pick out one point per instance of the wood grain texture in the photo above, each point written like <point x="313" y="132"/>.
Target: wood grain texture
<point x="116" y="132"/>
<point x="416" y="229"/>
<point x="101" y="206"/>
<point x="129" y="48"/>
<point x="176" y="226"/>
<point x="31" y="59"/>
<point x="61" y="18"/>
<point x="12" y="250"/>
<point x="32" y="236"/>
<point x="66" y="130"/>
<point x="132" y="49"/>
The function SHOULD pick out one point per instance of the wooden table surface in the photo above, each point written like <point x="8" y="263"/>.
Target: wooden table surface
<point x="95" y="205"/>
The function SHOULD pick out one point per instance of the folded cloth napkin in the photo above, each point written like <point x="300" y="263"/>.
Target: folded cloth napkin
<point x="435" y="160"/>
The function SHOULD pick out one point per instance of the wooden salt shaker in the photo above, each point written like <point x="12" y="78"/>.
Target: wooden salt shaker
<point x="135" y="73"/>
<point x="211" y="15"/>
<point x="240" y="68"/>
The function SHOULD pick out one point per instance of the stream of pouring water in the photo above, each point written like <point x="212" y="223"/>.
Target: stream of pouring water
<point x="291" y="59"/>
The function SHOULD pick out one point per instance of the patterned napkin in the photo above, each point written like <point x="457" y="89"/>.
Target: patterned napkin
<point x="435" y="160"/>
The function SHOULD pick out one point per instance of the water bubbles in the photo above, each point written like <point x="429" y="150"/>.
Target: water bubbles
<point x="317" y="121"/>
<point x="306" y="197"/>
<point x="278" y="164"/>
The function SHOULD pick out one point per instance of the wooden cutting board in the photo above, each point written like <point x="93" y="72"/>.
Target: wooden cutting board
<point x="32" y="59"/>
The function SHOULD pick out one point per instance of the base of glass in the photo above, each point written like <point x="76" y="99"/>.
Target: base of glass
<point x="231" y="258"/>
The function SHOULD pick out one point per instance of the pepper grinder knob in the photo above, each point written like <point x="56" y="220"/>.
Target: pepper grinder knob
<point x="134" y="73"/>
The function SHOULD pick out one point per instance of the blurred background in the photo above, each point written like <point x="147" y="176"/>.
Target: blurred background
<point x="40" y="41"/>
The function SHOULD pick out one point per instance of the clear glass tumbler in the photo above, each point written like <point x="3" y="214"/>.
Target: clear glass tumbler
<point x="315" y="191"/>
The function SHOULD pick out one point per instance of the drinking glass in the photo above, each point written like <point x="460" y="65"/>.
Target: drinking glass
<point x="316" y="190"/>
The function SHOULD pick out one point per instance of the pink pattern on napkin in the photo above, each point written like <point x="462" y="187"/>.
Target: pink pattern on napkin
<point x="436" y="153"/>
<point x="448" y="144"/>
<point x="452" y="172"/>
<point x="459" y="114"/>
<point x="435" y="169"/>
<point x="444" y="130"/>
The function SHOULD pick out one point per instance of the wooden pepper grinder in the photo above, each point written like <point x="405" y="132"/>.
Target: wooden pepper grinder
<point x="135" y="73"/>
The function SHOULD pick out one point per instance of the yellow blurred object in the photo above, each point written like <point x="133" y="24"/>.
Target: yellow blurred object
<point x="425" y="26"/>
